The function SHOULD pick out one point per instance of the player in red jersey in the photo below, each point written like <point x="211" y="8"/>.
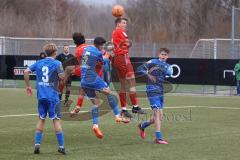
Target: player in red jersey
<point x="70" y="70"/>
<point x="79" y="40"/>
<point x="122" y="64"/>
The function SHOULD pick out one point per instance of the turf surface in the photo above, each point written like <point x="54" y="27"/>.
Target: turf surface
<point x="197" y="128"/>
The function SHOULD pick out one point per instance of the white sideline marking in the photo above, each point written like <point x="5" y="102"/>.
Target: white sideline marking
<point x="181" y="107"/>
<point x="17" y="115"/>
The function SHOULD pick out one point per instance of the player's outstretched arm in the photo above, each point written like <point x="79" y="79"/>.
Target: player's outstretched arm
<point x="145" y="70"/>
<point x="142" y="70"/>
<point x="27" y="82"/>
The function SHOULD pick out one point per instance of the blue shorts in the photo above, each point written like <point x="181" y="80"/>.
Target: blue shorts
<point x="156" y="101"/>
<point x="52" y="108"/>
<point x="90" y="88"/>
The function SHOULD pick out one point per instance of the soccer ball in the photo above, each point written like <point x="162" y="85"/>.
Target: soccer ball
<point x="117" y="11"/>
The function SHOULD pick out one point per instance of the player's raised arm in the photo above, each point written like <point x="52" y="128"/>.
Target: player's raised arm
<point x="143" y="69"/>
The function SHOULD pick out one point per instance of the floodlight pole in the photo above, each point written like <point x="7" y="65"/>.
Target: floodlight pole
<point x="233" y="29"/>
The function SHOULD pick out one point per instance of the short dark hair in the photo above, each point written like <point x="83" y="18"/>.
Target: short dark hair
<point x="65" y="45"/>
<point x="164" y="50"/>
<point x="42" y="55"/>
<point x="119" y="20"/>
<point x="78" y="38"/>
<point x="98" y="41"/>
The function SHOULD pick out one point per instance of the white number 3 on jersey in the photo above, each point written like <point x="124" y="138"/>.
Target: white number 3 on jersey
<point x="45" y="71"/>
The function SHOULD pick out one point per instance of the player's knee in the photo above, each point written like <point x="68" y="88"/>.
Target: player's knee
<point x="57" y="125"/>
<point x="152" y="120"/>
<point x="39" y="130"/>
<point x="161" y="114"/>
<point x="95" y="101"/>
<point x="40" y="125"/>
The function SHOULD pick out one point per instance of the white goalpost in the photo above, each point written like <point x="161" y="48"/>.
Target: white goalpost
<point x="218" y="48"/>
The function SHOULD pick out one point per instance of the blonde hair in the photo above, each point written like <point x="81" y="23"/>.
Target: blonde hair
<point x="50" y="49"/>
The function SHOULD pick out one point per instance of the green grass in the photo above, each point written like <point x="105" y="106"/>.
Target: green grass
<point x="176" y="88"/>
<point x="198" y="133"/>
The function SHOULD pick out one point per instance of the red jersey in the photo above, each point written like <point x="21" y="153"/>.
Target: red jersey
<point x="79" y="51"/>
<point x="120" y="41"/>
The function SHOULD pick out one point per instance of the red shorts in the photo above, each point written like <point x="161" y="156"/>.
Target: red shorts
<point x="77" y="71"/>
<point x="123" y="66"/>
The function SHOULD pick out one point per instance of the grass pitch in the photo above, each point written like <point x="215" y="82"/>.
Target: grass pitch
<point x="197" y="128"/>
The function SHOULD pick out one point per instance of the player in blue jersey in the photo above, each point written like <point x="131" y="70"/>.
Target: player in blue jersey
<point x="156" y="70"/>
<point x="48" y="73"/>
<point x="91" y="82"/>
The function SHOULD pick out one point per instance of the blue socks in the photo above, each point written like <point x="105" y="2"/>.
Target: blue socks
<point x="60" y="139"/>
<point x="158" y="135"/>
<point x="95" y="114"/>
<point x="112" y="100"/>
<point x="38" y="138"/>
<point x="59" y="135"/>
<point x="145" y="125"/>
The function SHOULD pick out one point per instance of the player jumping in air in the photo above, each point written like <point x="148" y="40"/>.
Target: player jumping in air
<point x="70" y="70"/>
<point x="156" y="70"/>
<point x="48" y="72"/>
<point x="79" y="40"/>
<point x="91" y="82"/>
<point x="122" y="64"/>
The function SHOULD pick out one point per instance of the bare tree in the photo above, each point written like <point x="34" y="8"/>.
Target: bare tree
<point x="175" y="21"/>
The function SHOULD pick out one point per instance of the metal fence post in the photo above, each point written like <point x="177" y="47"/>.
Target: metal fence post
<point x="233" y="30"/>
<point x="154" y="49"/>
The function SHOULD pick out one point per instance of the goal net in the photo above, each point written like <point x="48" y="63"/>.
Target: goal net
<point x="216" y="49"/>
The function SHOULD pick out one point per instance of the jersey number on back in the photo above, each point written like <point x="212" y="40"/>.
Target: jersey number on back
<point x="85" y="58"/>
<point x="45" y="72"/>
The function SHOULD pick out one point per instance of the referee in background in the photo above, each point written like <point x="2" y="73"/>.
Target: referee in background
<point x="65" y="57"/>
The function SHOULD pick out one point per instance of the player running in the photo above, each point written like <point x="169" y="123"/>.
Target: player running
<point x="48" y="72"/>
<point x="122" y="64"/>
<point x="156" y="71"/>
<point x="91" y="82"/>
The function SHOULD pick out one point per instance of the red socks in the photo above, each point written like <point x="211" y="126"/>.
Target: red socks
<point x="80" y="101"/>
<point x="133" y="97"/>
<point x="122" y="96"/>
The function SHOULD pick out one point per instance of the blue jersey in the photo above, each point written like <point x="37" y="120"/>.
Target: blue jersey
<point x="159" y="69"/>
<point x="90" y="58"/>
<point x="47" y="71"/>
